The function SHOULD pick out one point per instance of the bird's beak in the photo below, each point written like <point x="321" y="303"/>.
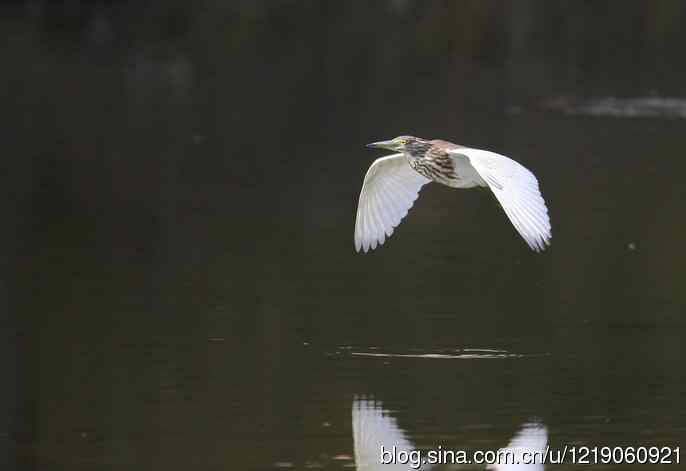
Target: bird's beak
<point x="382" y="145"/>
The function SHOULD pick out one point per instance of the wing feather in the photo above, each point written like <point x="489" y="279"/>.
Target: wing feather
<point x="385" y="210"/>
<point x="517" y="191"/>
<point x="389" y="190"/>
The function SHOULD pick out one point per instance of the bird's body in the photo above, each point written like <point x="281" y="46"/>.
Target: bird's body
<point x="437" y="164"/>
<point x="393" y="182"/>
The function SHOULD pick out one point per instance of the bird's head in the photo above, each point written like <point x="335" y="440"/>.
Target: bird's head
<point x="401" y="144"/>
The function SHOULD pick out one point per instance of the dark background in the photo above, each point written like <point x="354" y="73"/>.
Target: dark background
<point x="179" y="287"/>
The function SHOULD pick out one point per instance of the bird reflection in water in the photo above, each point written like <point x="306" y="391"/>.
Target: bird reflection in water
<point x="527" y="446"/>
<point x="373" y="431"/>
<point x="380" y="444"/>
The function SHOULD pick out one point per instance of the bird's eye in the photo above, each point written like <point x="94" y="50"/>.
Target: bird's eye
<point x="402" y="141"/>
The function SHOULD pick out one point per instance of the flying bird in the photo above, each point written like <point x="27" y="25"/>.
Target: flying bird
<point x="392" y="185"/>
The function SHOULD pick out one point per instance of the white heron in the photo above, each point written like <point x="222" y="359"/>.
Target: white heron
<point x="392" y="185"/>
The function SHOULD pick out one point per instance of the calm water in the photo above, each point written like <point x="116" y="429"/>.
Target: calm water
<point x="179" y="285"/>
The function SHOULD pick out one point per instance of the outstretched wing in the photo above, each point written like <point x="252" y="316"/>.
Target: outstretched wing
<point x="390" y="189"/>
<point x="516" y="189"/>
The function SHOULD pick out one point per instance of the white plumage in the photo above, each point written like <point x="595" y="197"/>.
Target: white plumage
<point x="389" y="190"/>
<point x="516" y="189"/>
<point x="373" y="429"/>
<point x="526" y="450"/>
<point x="392" y="185"/>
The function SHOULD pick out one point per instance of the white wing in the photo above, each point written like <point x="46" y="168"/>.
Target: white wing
<point x="516" y="189"/>
<point x="390" y="189"/>
<point x="526" y="448"/>
<point x="373" y="429"/>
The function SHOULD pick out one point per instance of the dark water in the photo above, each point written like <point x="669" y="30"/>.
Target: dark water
<point x="179" y="286"/>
